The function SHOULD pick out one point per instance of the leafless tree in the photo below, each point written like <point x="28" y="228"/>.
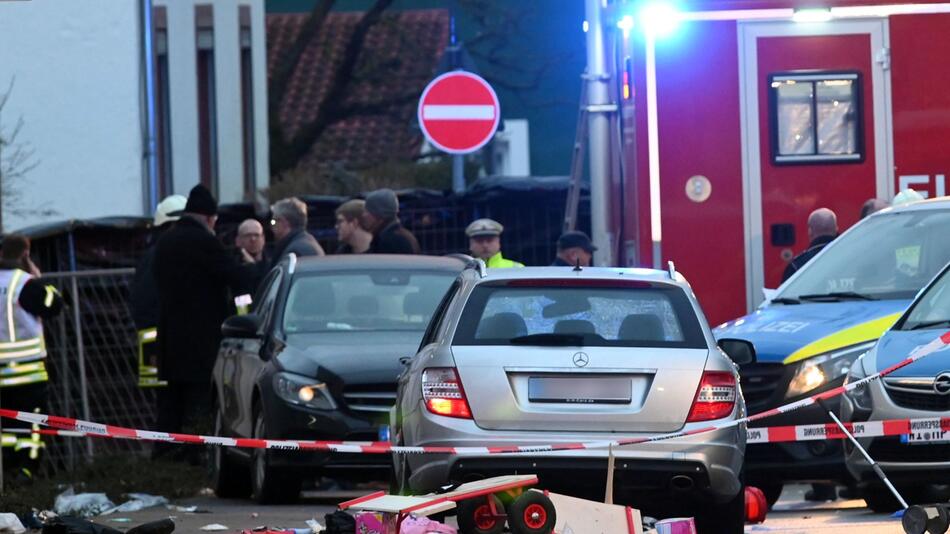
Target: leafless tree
<point x="17" y="159"/>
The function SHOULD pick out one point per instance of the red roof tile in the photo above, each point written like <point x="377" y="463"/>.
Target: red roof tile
<point x="400" y="56"/>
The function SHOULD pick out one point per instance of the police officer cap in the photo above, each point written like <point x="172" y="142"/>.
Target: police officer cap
<point x="484" y="228"/>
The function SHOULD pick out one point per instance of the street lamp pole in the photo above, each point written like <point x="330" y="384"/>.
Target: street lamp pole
<point x="598" y="106"/>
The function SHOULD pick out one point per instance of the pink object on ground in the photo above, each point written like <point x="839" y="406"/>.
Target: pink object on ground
<point x="679" y="525"/>
<point x="424" y="525"/>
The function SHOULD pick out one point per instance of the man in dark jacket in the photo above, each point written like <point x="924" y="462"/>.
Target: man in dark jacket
<point x="289" y="223"/>
<point x="822" y="229"/>
<point x="194" y="273"/>
<point x="380" y="218"/>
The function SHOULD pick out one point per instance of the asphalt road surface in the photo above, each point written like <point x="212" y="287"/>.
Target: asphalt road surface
<point x="791" y="515"/>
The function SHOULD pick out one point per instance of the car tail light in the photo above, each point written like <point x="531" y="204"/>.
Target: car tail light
<point x="715" y="398"/>
<point x="443" y="393"/>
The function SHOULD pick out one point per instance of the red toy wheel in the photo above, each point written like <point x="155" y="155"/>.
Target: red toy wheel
<point x="532" y="513"/>
<point x="475" y="516"/>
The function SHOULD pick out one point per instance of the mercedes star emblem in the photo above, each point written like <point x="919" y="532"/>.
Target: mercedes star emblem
<point x="581" y="359"/>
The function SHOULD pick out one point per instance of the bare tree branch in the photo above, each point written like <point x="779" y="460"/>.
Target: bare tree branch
<point x="286" y="66"/>
<point x="330" y="110"/>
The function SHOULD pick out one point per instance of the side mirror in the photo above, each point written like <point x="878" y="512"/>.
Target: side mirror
<point x="241" y="326"/>
<point x="739" y="350"/>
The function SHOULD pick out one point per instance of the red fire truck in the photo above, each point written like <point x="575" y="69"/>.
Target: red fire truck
<point x="762" y="111"/>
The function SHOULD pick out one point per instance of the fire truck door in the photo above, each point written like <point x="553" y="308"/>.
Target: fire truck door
<point x="815" y="134"/>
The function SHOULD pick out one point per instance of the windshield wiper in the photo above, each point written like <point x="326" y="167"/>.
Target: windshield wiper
<point x="837" y="295"/>
<point x="929" y="324"/>
<point x="785" y="300"/>
<point x="549" y="339"/>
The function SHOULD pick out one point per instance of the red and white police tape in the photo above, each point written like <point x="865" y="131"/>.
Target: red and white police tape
<point x="893" y="428"/>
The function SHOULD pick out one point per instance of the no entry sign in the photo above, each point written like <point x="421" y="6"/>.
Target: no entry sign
<point x="458" y="112"/>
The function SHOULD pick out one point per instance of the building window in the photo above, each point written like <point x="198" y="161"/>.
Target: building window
<point x="163" y="113"/>
<point x="247" y="103"/>
<point x="816" y="117"/>
<point x="207" y="113"/>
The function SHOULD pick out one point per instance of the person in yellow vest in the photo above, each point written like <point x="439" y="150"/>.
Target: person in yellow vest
<point x="23" y="377"/>
<point x="484" y="241"/>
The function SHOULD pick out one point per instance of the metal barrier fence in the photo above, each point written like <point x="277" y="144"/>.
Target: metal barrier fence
<point x="93" y="364"/>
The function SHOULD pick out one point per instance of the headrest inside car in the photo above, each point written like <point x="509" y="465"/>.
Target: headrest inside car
<point x="641" y="327"/>
<point x="505" y="325"/>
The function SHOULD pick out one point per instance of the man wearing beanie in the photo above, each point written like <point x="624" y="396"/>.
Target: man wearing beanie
<point x="194" y="273"/>
<point x="379" y="217"/>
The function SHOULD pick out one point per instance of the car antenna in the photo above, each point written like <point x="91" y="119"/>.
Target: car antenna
<point x="480" y="265"/>
<point x="577" y="265"/>
<point x="671" y="269"/>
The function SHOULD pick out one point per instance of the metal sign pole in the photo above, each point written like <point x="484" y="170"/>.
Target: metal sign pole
<point x="877" y="469"/>
<point x="458" y="174"/>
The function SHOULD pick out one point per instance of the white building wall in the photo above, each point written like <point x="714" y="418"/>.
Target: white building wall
<point x="182" y="54"/>
<point x="77" y="88"/>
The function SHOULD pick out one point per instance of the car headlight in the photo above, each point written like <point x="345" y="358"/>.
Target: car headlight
<point x="824" y="368"/>
<point x="860" y="395"/>
<point x="302" y="391"/>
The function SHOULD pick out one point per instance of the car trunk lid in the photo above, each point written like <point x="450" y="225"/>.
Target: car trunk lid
<point x="596" y="389"/>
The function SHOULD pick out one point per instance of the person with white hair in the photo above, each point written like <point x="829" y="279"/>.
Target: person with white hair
<point x="822" y="229"/>
<point x="289" y="224"/>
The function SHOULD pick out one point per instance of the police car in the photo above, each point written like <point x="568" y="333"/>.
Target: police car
<point x="808" y="335"/>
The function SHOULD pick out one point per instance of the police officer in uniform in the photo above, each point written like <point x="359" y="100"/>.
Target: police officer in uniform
<point x="23" y="377"/>
<point x="484" y="241"/>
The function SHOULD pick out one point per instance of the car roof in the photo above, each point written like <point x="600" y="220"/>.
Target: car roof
<point x="379" y="261"/>
<point x="587" y="273"/>
<point x="939" y="203"/>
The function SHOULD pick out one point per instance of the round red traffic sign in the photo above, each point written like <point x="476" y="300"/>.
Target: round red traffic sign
<point x="459" y="112"/>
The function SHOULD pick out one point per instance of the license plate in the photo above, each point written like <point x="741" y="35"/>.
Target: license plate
<point x="580" y="390"/>
<point x="384" y="433"/>
<point x="926" y="436"/>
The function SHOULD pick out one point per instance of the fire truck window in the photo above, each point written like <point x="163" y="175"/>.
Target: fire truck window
<point x="815" y="118"/>
<point x="795" y="121"/>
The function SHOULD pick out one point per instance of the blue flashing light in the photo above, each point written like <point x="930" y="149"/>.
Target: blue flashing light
<point x="659" y="18"/>
<point x="625" y="24"/>
<point x="586" y="26"/>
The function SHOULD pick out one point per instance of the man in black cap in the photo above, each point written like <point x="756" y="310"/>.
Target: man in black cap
<point x="194" y="273"/>
<point x="573" y="249"/>
<point x="379" y="217"/>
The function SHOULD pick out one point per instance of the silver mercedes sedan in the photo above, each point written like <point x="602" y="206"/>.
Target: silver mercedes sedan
<point x="553" y="355"/>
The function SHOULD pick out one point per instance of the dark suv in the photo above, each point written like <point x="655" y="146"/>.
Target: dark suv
<point x="317" y="359"/>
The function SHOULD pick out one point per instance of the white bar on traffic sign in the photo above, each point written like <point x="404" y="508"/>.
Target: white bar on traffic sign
<point x="458" y="113"/>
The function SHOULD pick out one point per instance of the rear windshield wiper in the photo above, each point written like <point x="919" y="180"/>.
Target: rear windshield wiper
<point x="785" y="300"/>
<point x="929" y="324"/>
<point x="837" y="295"/>
<point x="549" y="339"/>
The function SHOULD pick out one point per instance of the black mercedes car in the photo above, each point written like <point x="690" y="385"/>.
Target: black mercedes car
<point x="317" y="359"/>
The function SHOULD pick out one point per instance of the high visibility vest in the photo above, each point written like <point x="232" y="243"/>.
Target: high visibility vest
<point x="148" y="359"/>
<point x="22" y="347"/>
<point x="498" y="261"/>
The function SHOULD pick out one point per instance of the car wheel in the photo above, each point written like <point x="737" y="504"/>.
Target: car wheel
<point x="532" y="513"/>
<point x="475" y="517"/>
<point x="727" y="518"/>
<point x="880" y="499"/>
<point x="229" y="478"/>
<point x="772" y="492"/>
<point x="399" y="476"/>
<point x="269" y="485"/>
